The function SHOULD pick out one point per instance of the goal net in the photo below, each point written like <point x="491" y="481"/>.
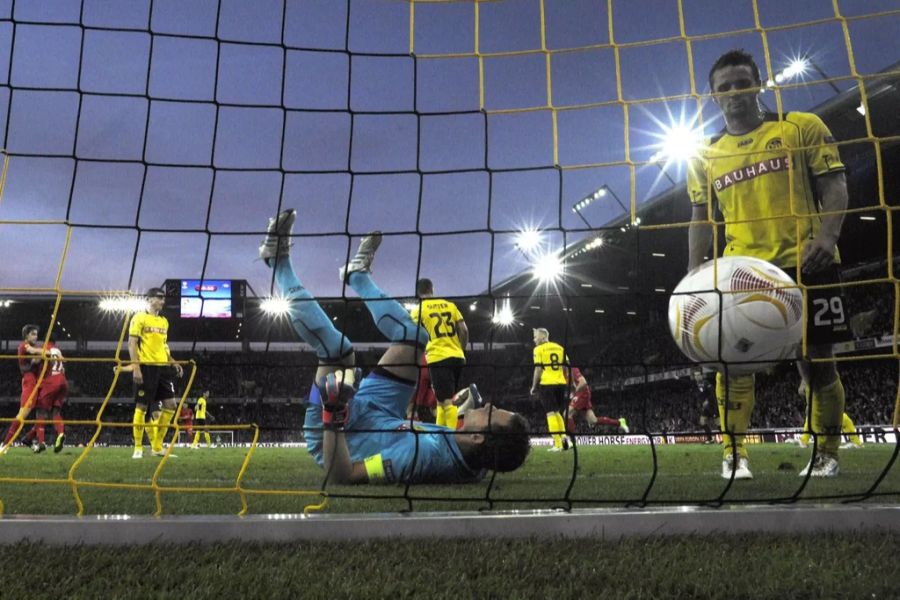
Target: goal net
<point x="530" y="157"/>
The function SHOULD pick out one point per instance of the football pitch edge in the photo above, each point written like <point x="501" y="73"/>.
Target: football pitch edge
<point x="600" y="524"/>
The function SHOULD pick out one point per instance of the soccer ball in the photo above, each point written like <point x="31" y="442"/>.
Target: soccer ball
<point x="750" y="307"/>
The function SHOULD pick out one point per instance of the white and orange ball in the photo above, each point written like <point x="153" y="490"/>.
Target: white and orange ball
<point x="737" y="310"/>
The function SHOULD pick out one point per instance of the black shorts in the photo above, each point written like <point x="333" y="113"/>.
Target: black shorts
<point x="446" y="376"/>
<point x="827" y="321"/>
<point x="159" y="384"/>
<point x="199" y="422"/>
<point x="554" y="397"/>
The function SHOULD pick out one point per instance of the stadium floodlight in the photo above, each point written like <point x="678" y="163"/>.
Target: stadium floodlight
<point x="548" y="268"/>
<point x="796" y="68"/>
<point x="275" y="306"/>
<point x="5" y="303"/>
<point x="122" y="304"/>
<point x="528" y="239"/>
<point x="680" y="143"/>
<point x="503" y="315"/>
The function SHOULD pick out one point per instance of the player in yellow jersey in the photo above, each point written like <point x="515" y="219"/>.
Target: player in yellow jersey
<point x="780" y="185"/>
<point x="200" y="415"/>
<point x="445" y="353"/>
<point x="152" y="371"/>
<point x="550" y="384"/>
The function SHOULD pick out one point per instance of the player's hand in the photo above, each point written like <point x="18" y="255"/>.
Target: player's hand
<point x="533" y="391"/>
<point x="336" y="391"/>
<point x="137" y="375"/>
<point x="179" y="370"/>
<point x="818" y="254"/>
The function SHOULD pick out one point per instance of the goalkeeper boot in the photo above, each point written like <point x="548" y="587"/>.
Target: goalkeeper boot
<point x="278" y="235"/>
<point x="469" y="399"/>
<point x="362" y="261"/>
<point x="741" y="472"/>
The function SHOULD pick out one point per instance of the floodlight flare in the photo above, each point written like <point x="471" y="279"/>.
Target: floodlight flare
<point x="275" y="306"/>
<point x="548" y="268"/>
<point x="528" y="239"/>
<point x="680" y="143"/>
<point x="121" y="304"/>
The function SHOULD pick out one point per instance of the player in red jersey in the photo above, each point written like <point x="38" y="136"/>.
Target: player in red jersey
<point x="580" y="404"/>
<point x="185" y="422"/>
<point x="30" y="367"/>
<point x="52" y="395"/>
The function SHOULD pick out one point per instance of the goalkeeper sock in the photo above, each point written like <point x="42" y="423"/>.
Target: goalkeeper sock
<point x="849" y="429"/>
<point x="735" y="399"/>
<point x="165" y="417"/>
<point x="390" y="317"/>
<point x="307" y="317"/>
<point x="138" y="428"/>
<point x="827" y="409"/>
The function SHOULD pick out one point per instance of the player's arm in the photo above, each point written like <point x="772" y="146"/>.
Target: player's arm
<point x="818" y="253"/>
<point x="134" y="355"/>
<point x="536" y="379"/>
<point x="462" y="332"/>
<point x="700" y="236"/>
<point x="338" y="466"/>
<point x="178" y="368"/>
<point x="700" y="233"/>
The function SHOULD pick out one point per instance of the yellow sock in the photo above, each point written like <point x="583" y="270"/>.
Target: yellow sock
<point x="451" y="416"/>
<point x="736" y="419"/>
<point x="561" y="426"/>
<point x="849" y="429"/>
<point x="827" y="408"/>
<point x="138" y="428"/>
<point x="805" y="436"/>
<point x="196" y="440"/>
<point x="554" y="429"/>
<point x="150" y="430"/>
<point x="165" y="417"/>
<point x="440" y="417"/>
<point x="206" y="437"/>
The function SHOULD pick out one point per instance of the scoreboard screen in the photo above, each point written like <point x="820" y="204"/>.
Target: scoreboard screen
<point x="209" y="298"/>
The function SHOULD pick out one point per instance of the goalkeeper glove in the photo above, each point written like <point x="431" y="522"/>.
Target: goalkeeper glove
<point x="337" y="390"/>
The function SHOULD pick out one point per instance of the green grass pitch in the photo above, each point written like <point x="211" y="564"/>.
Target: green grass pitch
<point x="285" y="480"/>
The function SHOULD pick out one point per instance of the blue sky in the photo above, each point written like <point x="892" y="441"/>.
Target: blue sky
<point x="182" y="148"/>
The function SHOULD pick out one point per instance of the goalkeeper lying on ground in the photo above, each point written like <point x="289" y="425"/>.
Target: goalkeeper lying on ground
<point x="361" y="435"/>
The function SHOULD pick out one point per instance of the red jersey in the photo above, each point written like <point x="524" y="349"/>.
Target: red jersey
<point x="25" y="361"/>
<point x="56" y="368"/>
<point x="186" y="414"/>
<point x="584" y="394"/>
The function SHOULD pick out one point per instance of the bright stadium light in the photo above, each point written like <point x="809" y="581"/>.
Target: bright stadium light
<point x="122" y="304"/>
<point x="680" y="143"/>
<point x="528" y="239"/>
<point x="548" y="268"/>
<point x="503" y="315"/>
<point x="275" y="306"/>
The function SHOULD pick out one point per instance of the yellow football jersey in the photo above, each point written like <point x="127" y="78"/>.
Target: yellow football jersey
<point x="439" y="318"/>
<point x="552" y="357"/>
<point x="152" y="332"/>
<point x="767" y="174"/>
<point x="200" y="408"/>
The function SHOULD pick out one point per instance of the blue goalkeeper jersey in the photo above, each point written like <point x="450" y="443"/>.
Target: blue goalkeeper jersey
<point x="392" y="448"/>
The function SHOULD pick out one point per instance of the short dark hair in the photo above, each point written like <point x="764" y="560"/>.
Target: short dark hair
<point x="156" y="291"/>
<point x="734" y="58"/>
<point x="28" y="329"/>
<point x="504" y="449"/>
<point x="424" y="286"/>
